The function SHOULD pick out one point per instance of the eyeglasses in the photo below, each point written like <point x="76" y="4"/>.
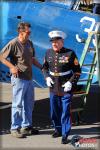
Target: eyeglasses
<point x="28" y="32"/>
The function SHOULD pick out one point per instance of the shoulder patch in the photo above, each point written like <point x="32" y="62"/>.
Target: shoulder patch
<point x="76" y="61"/>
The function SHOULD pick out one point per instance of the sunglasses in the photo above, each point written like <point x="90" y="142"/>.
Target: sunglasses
<point x="28" y="32"/>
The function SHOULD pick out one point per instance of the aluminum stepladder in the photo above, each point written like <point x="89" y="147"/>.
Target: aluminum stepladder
<point x="83" y="92"/>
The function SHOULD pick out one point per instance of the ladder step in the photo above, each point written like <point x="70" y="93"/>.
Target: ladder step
<point x="87" y="73"/>
<point x="84" y="80"/>
<point x="91" y="49"/>
<point x="79" y="94"/>
<point x="89" y="64"/>
<point x="77" y="109"/>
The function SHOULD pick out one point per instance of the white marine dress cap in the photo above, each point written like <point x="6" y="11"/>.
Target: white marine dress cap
<point x="56" y="34"/>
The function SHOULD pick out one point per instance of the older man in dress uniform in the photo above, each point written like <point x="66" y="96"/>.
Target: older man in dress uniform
<point x="62" y="71"/>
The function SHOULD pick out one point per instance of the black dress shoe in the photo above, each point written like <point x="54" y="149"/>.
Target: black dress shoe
<point x="64" y="140"/>
<point x="56" y="134"/>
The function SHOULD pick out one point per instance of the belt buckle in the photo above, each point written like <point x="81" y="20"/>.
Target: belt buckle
<point x="56" y="74"/>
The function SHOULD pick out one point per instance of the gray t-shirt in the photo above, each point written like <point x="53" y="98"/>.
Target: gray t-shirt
<point x="21" y="56"/>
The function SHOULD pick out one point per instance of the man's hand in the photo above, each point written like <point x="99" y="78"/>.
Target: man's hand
<point x="49" y="82"/>
<point x="67" y="86"/>
<point x="14" y="70"/>
<point x="36" y="63"/>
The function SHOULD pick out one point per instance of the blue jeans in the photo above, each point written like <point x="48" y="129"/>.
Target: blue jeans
<point x="60" y="112"/>
<point x="22" y="103"/>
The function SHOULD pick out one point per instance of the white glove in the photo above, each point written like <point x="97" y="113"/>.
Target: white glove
<point x="49" y="82"/>
<point x="67" y="86"/>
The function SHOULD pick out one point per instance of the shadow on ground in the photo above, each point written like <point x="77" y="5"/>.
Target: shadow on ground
<point x="41" y="119"/>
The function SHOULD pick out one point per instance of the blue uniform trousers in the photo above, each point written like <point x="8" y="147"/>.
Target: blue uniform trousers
<point x="60" y="112"/>
<point x="22" y="103"/>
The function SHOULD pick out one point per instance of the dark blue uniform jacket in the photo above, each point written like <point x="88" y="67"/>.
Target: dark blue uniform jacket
<point x="56" y="64"/>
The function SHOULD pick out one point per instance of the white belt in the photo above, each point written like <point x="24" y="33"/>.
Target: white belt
<point x="60" y="73"/>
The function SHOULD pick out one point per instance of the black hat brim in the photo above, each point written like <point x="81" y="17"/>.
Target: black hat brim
<point x="55" y="38"/>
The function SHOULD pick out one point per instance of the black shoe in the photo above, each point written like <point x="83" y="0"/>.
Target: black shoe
<point x="64" y="140"/>
<point x="29" y="131"/>
<point x="56" y="134"/>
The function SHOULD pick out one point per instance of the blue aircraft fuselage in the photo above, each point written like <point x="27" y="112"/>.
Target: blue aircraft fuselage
<point x="44" y="17"/>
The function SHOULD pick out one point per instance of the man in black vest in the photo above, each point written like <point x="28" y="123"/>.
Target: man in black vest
<point x="62" y="71"/>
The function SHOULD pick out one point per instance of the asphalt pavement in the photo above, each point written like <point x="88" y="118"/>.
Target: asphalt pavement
<point x="88" y="129"/>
